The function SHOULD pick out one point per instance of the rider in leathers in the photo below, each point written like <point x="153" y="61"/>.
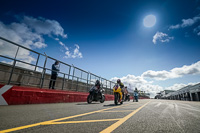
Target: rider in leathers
<point x="122" y="87"/>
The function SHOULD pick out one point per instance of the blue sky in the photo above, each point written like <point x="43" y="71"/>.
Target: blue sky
<point x="108" y="38"/>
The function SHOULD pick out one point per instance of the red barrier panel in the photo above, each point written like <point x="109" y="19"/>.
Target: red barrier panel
<point x="27" y="95"/>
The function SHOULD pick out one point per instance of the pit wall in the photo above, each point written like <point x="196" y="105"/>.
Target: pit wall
<point x="24" y="95"/>
<point x="27" y="95"/>
<point x="30" y="78"/>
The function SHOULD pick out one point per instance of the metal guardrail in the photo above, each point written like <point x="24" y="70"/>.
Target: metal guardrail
<point x="69" y="76"/>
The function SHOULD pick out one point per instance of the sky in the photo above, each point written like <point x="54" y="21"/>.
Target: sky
<point x="112" y="39"/>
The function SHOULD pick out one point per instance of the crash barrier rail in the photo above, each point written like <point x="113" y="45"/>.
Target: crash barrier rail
<point x="20" y="65"/>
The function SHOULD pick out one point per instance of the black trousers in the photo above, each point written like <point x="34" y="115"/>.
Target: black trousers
<point x="52" y="81"/>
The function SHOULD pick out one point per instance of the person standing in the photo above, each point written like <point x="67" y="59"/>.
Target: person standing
<point x="54" y="74"/>
<point x="126" y="94"/>
<point x="135" y="95"/>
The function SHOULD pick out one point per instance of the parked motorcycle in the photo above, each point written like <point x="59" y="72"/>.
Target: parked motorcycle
<point x="96" y="95"/>
<point x="117" y="91"/>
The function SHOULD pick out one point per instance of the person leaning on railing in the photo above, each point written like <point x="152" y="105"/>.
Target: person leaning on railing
<point x="54" y="74"/>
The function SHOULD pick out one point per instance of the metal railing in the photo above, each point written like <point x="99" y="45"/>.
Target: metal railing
<point x="20" y="65"/>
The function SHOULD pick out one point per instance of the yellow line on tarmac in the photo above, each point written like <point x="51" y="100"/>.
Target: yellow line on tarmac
<point x="19" y="128"/>
<point x="117" y="111"/>
<point x="127" y="107"/>
<point x="118" y="123"/>
<point x="41" y="123"/>
<point x="68" y="122"/>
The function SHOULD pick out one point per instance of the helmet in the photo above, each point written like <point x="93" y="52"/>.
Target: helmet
<point x="118" y="81"/>
<point x="57" y="62"/>
<point x="97" y="83"/>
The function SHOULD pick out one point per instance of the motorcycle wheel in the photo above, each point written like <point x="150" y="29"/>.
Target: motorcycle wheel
<point x="89" y="99"/>
<point x="116" y="99"/>
<point x="102" y="99"/>
<point x="121" y="102"/>
<point x="129" y="99"/>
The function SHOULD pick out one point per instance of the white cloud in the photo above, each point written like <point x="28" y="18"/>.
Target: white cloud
<point x="197" y="30"/>
<point x="175" y="26"/>
<point x="142" y="84"/>
<point x="7" y="62"/>
<point x="152" y="89"/>
<point x="21" y="34"/>
<point x="192" y="69"/>
<point x="162" y="37"/>
<point x="132" y="81"/>
<point x="148" y="86"/>
<point x="68" y="53"/>
<point x="158" y="75"/>
<point x="76" y="53"/>
<point x="29" y="33"/>
<point x="62" y="44"/>
<point x="175" y="87"/>
<point x="178" y="86"/>
<point x="44" y="26"/>
<point x="186" y="23"/>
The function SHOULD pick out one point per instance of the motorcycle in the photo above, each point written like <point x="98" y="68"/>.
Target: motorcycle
<point x="127" y="97"/>
<point x="96" y="95"/>
<point x="117" y="91"/>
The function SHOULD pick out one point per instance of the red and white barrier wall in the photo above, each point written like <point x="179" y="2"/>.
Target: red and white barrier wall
<point x="13" y="95"/>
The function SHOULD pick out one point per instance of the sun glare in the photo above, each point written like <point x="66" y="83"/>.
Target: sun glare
<point x="149" y="21"/>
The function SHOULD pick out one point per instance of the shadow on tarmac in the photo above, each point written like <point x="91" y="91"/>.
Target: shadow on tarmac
<point x="111" y="105"/>
<point x="87" y="103"/>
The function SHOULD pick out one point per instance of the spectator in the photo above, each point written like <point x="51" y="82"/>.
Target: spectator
<point x="54" y="74"/>
<point x="125" y="90"/>
<point x="135" y="95"/>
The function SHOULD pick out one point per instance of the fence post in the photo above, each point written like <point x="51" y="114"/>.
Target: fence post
<point x="43" y="72"/>
<point x="13" y="67"/>
<point x="87" y="80"/>
<point x="63" y="83"/>
<point x="77" y="84"/>
<point x="73" y="76"/>
<point x="68" y="86"/>
<point x="69" y="72"/>
<point x="37" y="61"/>
<point x="43" y="76"/>
<point x="11" y="73"/>
<point x="110" y="89"/>
<point x="81" y="76"/>
<point x="90" y="79"/>
<point x="107" y="88"/>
